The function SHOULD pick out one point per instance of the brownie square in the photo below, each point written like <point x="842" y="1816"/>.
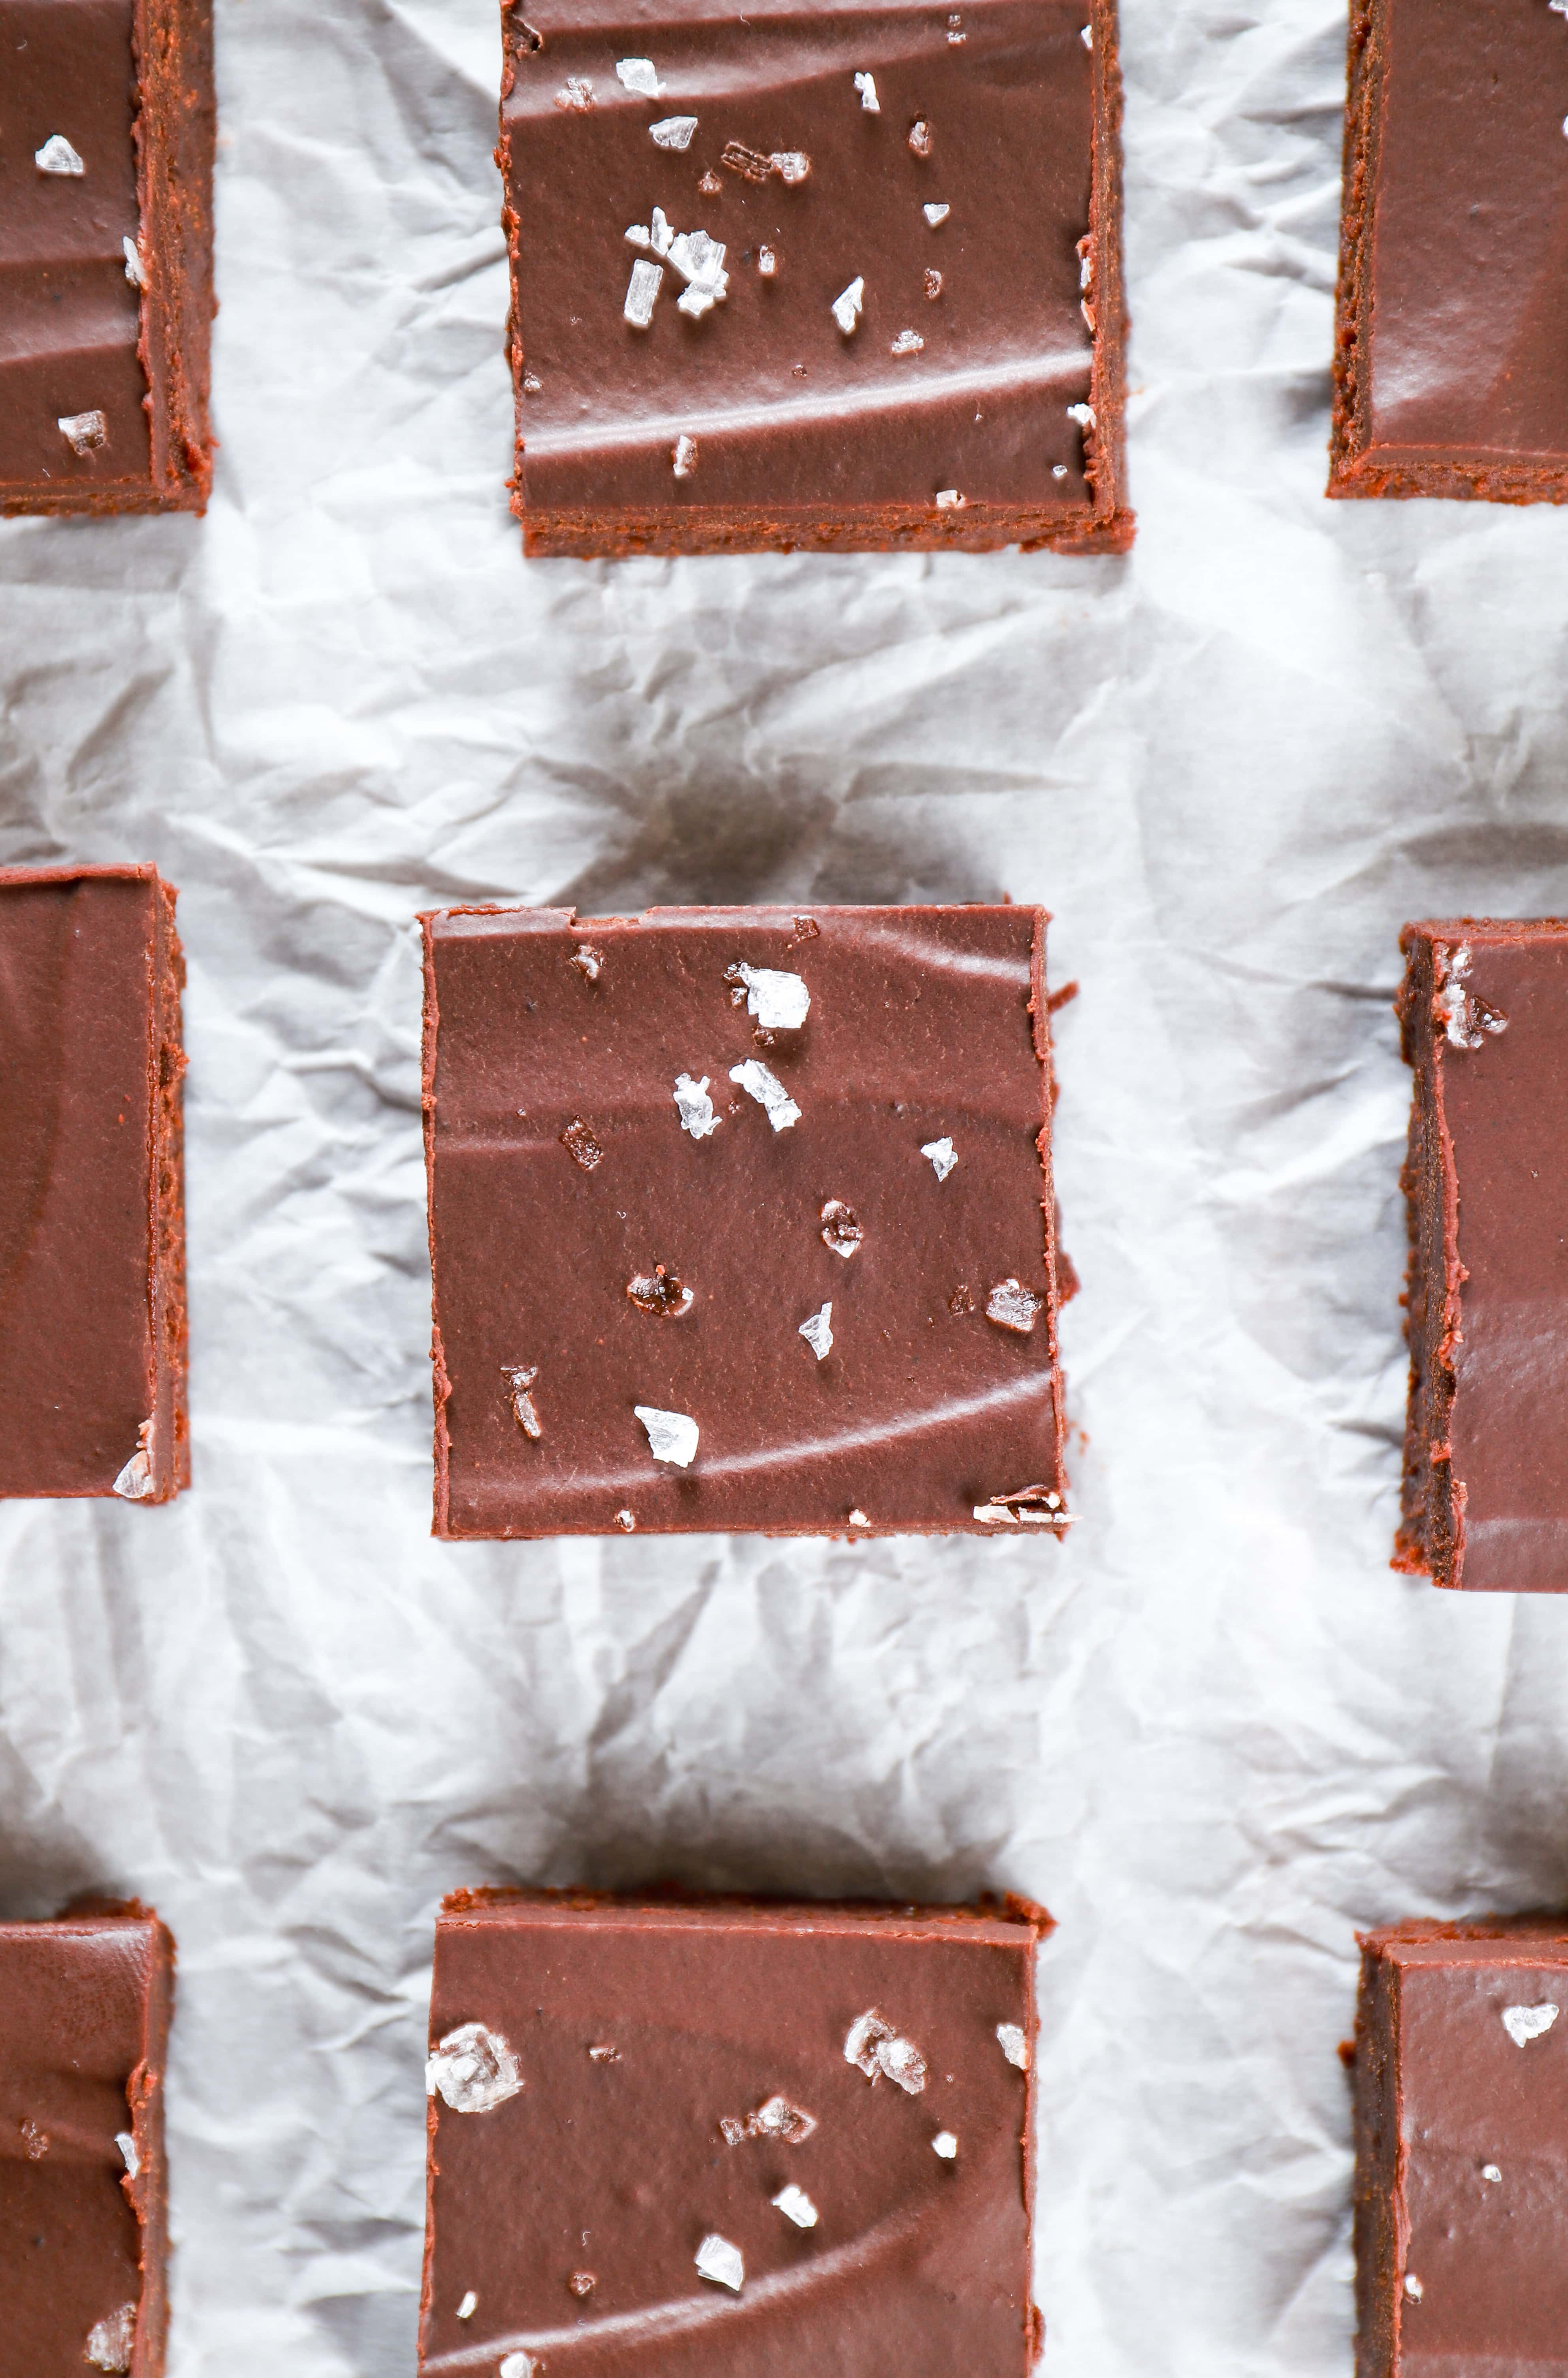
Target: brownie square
<point x="740" y="1220"/>
<point x="1484" y="1020"/>
<point x="92" y="1301"/>
<point x="1451" y="356"/>
<point x="84" y="2028"/>
<point x="106" y="138"/>
<point x="1461" y="2074"/>
<point x="708" y="2135"/>
<point x="801" y="274"/>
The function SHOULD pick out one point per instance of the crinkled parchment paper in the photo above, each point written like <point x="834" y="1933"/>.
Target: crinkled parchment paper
<point x="1213" y="1733"/>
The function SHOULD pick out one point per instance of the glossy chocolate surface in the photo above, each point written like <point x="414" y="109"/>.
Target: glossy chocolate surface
<point x="791" y="417"/>
<point x="1462" y="333"/>
<point x="925" y="1024"/>
<point x="1461" y="2177"/>
<point x="572" y="2212"/>
<point x="84" y="2017"/>
<point x="1496" y="1088"/>
<point x="91" y="1285"/>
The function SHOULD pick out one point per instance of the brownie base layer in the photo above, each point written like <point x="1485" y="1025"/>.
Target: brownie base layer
<point x="173" y="131"/>
<point x="985" y="530"/>
<point x="1430" y="1528"/>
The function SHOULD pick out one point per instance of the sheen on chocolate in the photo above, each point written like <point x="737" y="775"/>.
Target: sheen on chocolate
<point x="1451" y="355"/>
<point x="742" y="1218"/>
<point x="800" y="274"/>
<point x="92" y="1291"/>
<point x="107" y="141"/>
<point x="705" y="2135"/>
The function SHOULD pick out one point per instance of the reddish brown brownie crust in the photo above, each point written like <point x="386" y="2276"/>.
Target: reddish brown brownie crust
<point x="1105" y="525"/>
<point x="1431" y="1534"/>
<point x="174" y="131"/>
<point x="164" y="1143"/>
<point x="1358" y="465"/>
<point x="94" y="1987"/>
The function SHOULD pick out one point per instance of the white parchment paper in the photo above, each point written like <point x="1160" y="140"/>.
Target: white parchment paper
<point x="1213" y="1732"/>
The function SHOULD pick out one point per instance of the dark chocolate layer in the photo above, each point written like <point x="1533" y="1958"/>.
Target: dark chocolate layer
<point x="1485" y="1018"/>
<point x="92" y="1322"/>
<point x="84" y="2024"/>
<point x="678" y="2067"/>
<point x="562" y="1178"/>
<point x="972" y="345"/>
<point x="116" y="97"/>
<point x="1452" y="354"/>
<point x="1462" y="2188"/>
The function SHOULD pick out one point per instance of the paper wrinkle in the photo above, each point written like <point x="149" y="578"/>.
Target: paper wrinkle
<point x="1217" y="1734"/>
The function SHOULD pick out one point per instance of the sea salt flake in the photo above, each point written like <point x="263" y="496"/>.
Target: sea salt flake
<point x="694" y="1107"/>
<point x="577" y="97"/>
<point x="818" y="1332"/>
<point x="933" y="282"/>
<point x="767" y="263"/>
<point x="583" y="2283"/>
<point x="841" y="1228"/>
<point x="1014" y="2046"/>
<point x="35" y="2141"/>
<point x="955" y="33"/>
<point x="136" y="270"/>
<point x="83" y="432"/>
<point x="797" y="2206"/>
<point x="136" y="1480"/>
<point x="1489" y="2171"/>
<point x="719" y="2261"/>
<point x="950" y="500"/>
<point x="1083" y="414"/>
<point x="867" y="2031"/>
<point x="639" y="75"/>
<point x="673" y="131"/>
<point x="1058" y="469"/>
<point x="626" y="1521"/>
<point x="945" y="2145"/>
<point x="518" y="2365"/>
<point x="857" y="1518"/>
<point x="642" y="291"/>
<point x="1524" y="2024"/>
<point x="672" y="1437"/>
<point x="1012" y="1306"/>
<point x="474" y="2069"/>
<point x="790" y="164"/>
<point x="848" y="304"/>
<point x="769" y="1092"/>
<point x="903" y="2062"/>
<point x="936" y="215"/>
<point x="1085" y="262"/>
<point x="993" y="1515"/>
<point x="732" y="2132"/>
<point x="920" y="137"/>
<point x="530" y="386"/>
<point x="1086" y="35"/>
<point x="683" y="460"/>
<point x="908" y="342"/>
<point x="777" y="2119"/>
<point x="589" y="962"/>
<point x="710" y="184"/>
<point x="468" y="2306"/>
<point x="867" y="86"/>
<point x="128" y="2153"/>
<point x="942" y="1154"/>
<point x="57" y="156"/>
<point x="1413" y="2287"/>
<point x="111" y="2344"/>
<point x="749" y="163"/>
<point x="581" y="1145"/>
<point x="602" y="2053"/>
<point x="656" y="1293"/>
<point x="780" y="1003"/>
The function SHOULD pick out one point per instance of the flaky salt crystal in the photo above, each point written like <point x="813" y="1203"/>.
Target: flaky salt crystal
<point x="920" y="137"/>
<point x="749" y="163"/>
<point x="656" y="1293"/>
<point x="700" y="260"/>
<point x="83" y="432"/>
<point x="908" y="342"/>
<point x="867" y="86"/>
<point x="790" y="164"/>
<point x="1489" y="2171"/>
<point x="1086" y="35"/>
<point x="777" y="2119"/>
<point x="642" y="292"/>
<point x="818" y="1332"/>
<point x="136" y="270"/>
<point x="524" y="1411"/>
<point x="673" y="131"/>
<point x="936" y="215"/>
<point x="767" y="263"/>
<point x="950" y="500"/>
<point x="468" y="2306"/>
<point x="589" y="962"/>
<point x="111" y="2344"/>
<point x="601" y="2053"/>
<point x="864" y="2033"/>
<point x="474" y="2069"/>
<point x="576" y="95"/>
<point x="1083" y="414"/>
<point x="903" y="2062"/>
<point x="531" y="386"/>
<point x="683" y="461"/>
<point x="583" y="2283"/>
<point x="1013" y="2045"/>
<point x="1012" y="1306"/>
<point x="942" y="1155"/>
<point x="710" y="184"/>
<point x="797" y="2206"/>
<point x="1524" y="2024"/>
<point x="841" y="1228"/>
<point x="769" y="1092"/>
<point x="719" y="2261"/>
<point x="847" y="306"/>
<point x="933" y="282"/>
<point x="694" y="1107"/>
<point x="780" y="1003"/>
<point x="57" y="156"/>
<point x="129" y="2154"/>
<point x="639" y="75"/>
<point x="672" y="1437"/>
<point x="518" y="2365"/>
<point x="136" y="1480"/>
<point x="994" y="1514"/>
<point x="955" y="31"/>
<point x="1058" y="469"/>
<point x="857" y="1518"/>
<point x="626" y="1521"/>
<point x="945" y="2145"/>
<point x="873" y="2046"/>
<point x="581" y="1145"/>
<point x="730" y="2131"/>
<point x="1413" y="2287"/>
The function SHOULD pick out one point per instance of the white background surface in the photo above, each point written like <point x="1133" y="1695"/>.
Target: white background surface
<point x="1213" y="1733"/>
